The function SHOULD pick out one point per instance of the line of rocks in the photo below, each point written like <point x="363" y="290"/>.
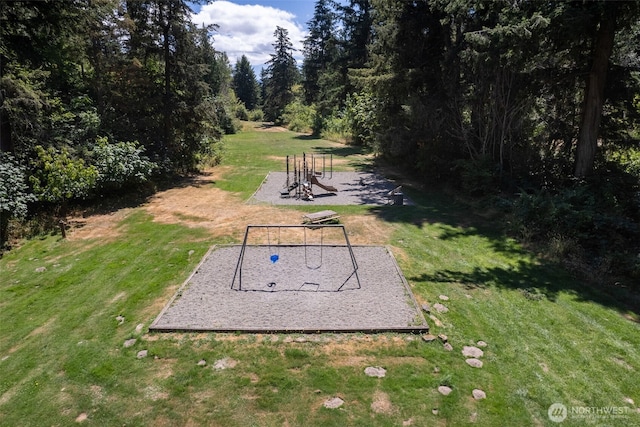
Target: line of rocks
<point x="472" y="354"/>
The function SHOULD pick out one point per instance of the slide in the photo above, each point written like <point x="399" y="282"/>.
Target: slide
<point x="328" y="188"/>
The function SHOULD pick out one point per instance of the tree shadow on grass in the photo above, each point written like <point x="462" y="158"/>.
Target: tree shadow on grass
<point x="535" y="277"/>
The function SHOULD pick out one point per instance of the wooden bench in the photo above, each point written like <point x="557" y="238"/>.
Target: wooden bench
<point x="320" y="217"/>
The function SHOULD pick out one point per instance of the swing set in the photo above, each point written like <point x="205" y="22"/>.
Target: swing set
<point x="300" y="256"/>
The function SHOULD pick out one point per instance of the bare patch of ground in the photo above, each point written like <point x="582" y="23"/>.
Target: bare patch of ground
<point x="381" y="403"/>
<point x="196" y="204"/>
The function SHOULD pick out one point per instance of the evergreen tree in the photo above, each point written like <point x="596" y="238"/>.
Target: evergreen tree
<point x="320" y="53"/>
<point x="245" y="83"/>
<point x="281" y="75"/>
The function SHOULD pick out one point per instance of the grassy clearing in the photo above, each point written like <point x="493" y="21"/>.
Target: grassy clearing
<point x="550" y="338"/>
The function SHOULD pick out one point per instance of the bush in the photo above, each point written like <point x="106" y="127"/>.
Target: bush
<point x="14" y="194"/>
<point x="299" y="117"/>
<point x="592" y="221"/>
<point x="241" y="112"/>
<point x="256" y="115"/>
<point x="58" y="178"/>
<point x="333" y="127"/>
<point x="121" y="164"/>
<point x="360" y="116"/>
<point x="478" y="177"/>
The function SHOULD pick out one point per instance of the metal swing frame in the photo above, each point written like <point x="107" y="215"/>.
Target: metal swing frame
<point x="236" y="283"/>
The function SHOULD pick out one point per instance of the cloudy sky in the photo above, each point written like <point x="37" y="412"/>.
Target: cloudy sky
<point x="246" y="27"/>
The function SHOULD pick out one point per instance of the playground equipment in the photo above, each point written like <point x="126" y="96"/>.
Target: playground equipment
<point x="305" y="176"/>
<point x="307" y="258"/>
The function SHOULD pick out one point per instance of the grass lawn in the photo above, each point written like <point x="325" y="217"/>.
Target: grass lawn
<point x="68" y="306"/>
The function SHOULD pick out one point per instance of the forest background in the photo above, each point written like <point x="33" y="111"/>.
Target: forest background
<point x="530" y="109"/>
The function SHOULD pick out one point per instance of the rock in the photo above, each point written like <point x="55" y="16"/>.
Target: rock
<point x="301" y="339"/>
<point x="436" y="321"/>
<point x="429" y="338"/>
<point x="139" y="328"/>
<point x="443" y="338"/>
<point x="445" y="390"/>
<point x="426" y="308"/>
<point x="436" y="370"/>
<point x="628" y="400"/>
<point x="447" y="346"/>
<point x="142" y="354"/>
<point x="440" y="308"/>
<point x="225" y="363"/>
<point x="333" y="403"/>
<point x="481" y="344"/>
<point x="478" y="394"/>
<point x="82" y="417"/>
<point x="202" y="362"/>
<point x="408" y="422"/>
<point x="120" y="319"/>
<point x="444" y="297"/>
<point x="470" y="351"/>
<point x="435" y="411"/>
<point x="130" y="342"/>
<point x="375" y="371"/>
<point x="41" y="269"/>
<point x="476" y="363"/>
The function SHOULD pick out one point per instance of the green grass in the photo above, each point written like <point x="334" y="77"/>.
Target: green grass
<point x="550" y="338"/>
<point x="253" y="154"/>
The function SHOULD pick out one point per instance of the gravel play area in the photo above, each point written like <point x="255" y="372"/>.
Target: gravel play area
<point x="316" y="291"/>
<point x="354" y="188"/>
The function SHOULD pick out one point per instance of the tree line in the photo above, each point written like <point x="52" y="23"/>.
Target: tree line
<point x="531" y="105"/>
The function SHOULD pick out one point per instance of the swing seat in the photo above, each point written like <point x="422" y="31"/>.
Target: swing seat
<point x="320" y="217"/>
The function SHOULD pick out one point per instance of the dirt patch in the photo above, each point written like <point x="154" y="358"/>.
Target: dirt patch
<point x="196" y="203"/>
<point x="266" y="127"/>
<point x="202" y="205"/>
<point x="367" y="230"/>
<point x="381" y="403"/>
<point x="97" y="226"/>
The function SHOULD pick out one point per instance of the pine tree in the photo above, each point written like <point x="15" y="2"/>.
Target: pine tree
<point x="281" y="75"/>
<point x="320" y="52"/>
<point x="245" y="83"/>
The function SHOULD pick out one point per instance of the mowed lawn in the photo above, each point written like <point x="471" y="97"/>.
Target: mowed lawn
<point x="67" y="307"/>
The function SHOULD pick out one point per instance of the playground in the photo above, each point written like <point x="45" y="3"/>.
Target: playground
<point x="310" y="179"/>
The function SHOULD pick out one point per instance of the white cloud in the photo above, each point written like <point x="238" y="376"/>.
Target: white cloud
<point x="248" y="30"/>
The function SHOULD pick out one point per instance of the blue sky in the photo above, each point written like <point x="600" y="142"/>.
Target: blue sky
<point x="247" y="26"/>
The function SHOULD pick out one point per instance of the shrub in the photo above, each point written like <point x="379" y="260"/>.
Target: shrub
<point x="478" y="177"/>
<point x="59" y="178"/>
<point x="333" y="127"/>
<point x="360" y="115"/>
<point x="120" y="164"/>
<point x="14" y="194"/>
<point x="241" y="112"/>
<point x="299" y="117"/>
<point x="590" y="220"/>
<point x="256" y="115"/>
